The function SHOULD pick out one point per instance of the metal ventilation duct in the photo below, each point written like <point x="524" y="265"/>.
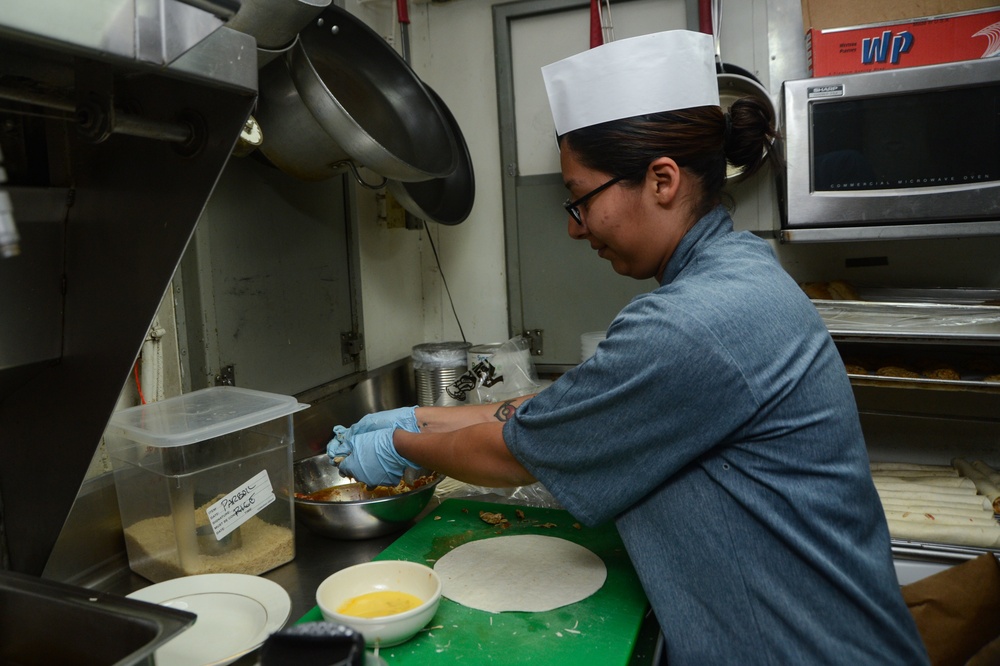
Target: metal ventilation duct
<point x="116" y="119"/>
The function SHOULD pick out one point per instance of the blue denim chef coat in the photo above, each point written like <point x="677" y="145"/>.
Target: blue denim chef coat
<point x="716" y="425"/>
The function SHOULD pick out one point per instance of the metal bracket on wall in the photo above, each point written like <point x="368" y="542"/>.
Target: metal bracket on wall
<point x="351" y="346"/>
<point x="534" y="337"/>
<point x="226" y="376"/>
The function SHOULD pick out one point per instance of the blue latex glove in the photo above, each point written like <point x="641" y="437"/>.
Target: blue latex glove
<point x="371" y="458"/>
<point x="404" y="417"/>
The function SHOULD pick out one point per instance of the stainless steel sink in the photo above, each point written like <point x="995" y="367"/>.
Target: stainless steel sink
<point x="43" y="622"/>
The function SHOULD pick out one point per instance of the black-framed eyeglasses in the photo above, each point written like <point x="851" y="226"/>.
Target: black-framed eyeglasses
<point x="573" y="207"/>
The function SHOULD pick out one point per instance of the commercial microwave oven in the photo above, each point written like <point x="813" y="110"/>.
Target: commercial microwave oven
<point x="900" y="153"/>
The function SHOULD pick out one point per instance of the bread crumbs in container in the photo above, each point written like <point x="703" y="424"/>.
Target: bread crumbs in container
<point x="204" y="482"/>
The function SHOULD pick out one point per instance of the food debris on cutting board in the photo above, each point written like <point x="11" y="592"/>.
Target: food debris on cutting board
<point x="491" y="518"/>
<point x="497" y="519"/>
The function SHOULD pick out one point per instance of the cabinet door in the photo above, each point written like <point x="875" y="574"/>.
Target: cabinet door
<point x="558" y="288"/>
<point x="266" y="283"/>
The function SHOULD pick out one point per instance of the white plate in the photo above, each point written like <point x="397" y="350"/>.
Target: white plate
<point x="236" y="613"/>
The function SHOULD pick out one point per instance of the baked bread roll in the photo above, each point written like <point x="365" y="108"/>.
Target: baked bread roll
<point x="836" y="290"/>
<point x="940" y="518"/>
<point x="924" y="468"/>
<point x="884" y="483"/>
<point x="984" y="508"/>
<point x="896" y="371"/>
<point x="842" y="291"/>
<point x="961" y="535"/>
<point x="943" y="372"/>
<point x="816" y="290"/>
<point x="921" y="498"/>
<point x="984" y="484"/>
<point x="937" y="480"/>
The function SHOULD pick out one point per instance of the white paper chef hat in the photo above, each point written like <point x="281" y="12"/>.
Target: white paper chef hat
<point x="664" y="71"/>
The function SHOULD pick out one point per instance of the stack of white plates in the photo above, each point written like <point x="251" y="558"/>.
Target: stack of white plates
<point x="588" y="344"/>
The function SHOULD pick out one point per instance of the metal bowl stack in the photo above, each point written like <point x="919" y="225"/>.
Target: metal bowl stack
<point x="353" y="512"/>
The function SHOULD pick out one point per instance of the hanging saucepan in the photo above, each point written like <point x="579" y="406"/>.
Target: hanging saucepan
<point x="734" y="82"/>
<point x="368" y="108"/>
<point x="445" y="200"/>
<point x="293" y="140"/>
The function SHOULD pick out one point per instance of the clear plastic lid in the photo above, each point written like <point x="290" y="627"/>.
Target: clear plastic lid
<point x="433" y="355"/>
<point x="200" y="415"/>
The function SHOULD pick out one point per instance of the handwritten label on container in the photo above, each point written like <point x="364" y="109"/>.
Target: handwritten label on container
<point x="240" y="505"/>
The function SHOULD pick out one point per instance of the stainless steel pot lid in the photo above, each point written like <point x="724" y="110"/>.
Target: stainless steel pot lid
<point x="445" y="200"/>
<point x="367" y="98"/>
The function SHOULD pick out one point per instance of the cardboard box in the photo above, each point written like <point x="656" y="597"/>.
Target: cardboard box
<point x="850" y="37"/>
<point x="823" y="14"/>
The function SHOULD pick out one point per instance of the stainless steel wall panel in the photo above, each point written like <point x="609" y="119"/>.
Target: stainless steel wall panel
<point x="131" y="206"/>
<point x="268" y="278"/>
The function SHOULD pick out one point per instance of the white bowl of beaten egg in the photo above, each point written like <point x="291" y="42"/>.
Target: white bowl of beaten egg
<point x="388" y="601"/>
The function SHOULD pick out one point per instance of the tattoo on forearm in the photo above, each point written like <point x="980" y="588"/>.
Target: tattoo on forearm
<point x="506" y="410"/>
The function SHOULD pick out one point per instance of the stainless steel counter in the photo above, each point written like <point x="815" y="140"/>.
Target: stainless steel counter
<point x="317" y="557"/>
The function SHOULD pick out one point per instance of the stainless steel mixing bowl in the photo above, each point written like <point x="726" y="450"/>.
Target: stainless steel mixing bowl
<point x="353" y="514"/>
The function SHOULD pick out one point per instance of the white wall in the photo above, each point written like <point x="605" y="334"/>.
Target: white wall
<point x="451" y="49"/>
<point x="403" y="299"/>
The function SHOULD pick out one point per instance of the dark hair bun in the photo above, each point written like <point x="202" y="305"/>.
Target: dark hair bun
<point x="752" y="134"/>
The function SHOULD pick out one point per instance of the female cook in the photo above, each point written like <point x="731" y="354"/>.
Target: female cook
<point x="715" y="425"/>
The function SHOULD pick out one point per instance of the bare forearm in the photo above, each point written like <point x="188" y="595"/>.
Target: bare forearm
<point x="448" y="419"/>
<point x="476" y="454"/>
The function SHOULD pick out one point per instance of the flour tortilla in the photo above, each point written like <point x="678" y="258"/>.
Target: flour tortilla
<point x="527" y="572"/>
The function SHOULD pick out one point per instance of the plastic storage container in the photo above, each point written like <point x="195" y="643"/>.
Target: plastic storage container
<point x="204" y="482"/>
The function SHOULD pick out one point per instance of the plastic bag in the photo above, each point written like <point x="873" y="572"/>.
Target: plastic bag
<point x="500" y="372"/>
<point x="535" y="495"/>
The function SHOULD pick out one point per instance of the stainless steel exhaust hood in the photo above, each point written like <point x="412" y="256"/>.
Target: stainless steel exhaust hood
<point x="116" y="119"/>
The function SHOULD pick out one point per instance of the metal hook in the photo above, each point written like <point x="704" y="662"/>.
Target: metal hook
<point x="357" y="175"/>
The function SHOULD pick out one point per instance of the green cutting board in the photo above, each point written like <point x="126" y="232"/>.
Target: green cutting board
<point x="601" y="629"/>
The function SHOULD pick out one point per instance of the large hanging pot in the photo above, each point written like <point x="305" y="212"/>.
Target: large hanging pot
<point x="364" y="107"/>
<point x="293" y="140"/>
<point x="445" y="200"/>
<point x="275" y="23"/>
